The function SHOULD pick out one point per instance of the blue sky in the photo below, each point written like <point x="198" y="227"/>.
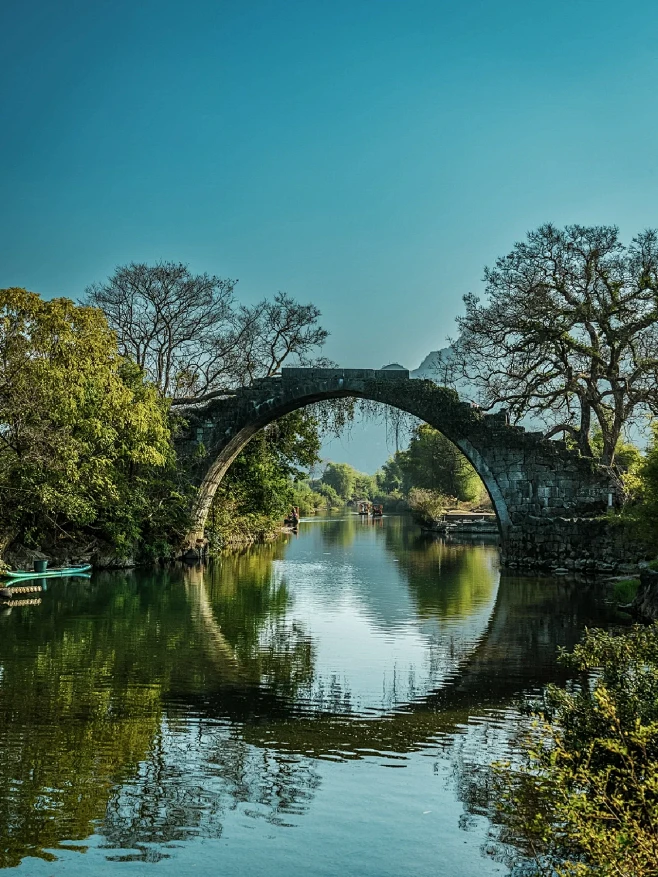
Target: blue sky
<point x="369" y="156"/>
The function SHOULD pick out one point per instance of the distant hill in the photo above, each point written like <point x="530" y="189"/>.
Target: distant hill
<point x="437" y="366"/>
<point x="433" y="363"/>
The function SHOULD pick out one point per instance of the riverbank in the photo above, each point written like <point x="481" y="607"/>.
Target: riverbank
<point x="105" y="558"/>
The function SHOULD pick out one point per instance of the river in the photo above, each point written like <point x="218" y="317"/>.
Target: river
<point x="328" y="704"/>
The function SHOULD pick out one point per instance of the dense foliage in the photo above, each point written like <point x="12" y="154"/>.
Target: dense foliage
<point x="433" y="462"/>
<point x="586" y="798"/>
<point x="348" y="483"/>
<point x="259" y="488"/>
<point x="85" y="450"/>
<point x="432" y="475"/>
<point x="642" y="480"/>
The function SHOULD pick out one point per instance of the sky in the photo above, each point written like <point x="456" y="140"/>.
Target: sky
<point x="371" y="157"/>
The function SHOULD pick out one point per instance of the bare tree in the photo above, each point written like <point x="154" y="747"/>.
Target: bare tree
<point x="191" y="337"/>
<point x="272" y="331"/>
<point x="568" y="332"/>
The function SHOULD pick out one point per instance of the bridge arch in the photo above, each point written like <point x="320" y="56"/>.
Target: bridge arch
<point x="524" y="474"/>
<point x="268" y="413"/>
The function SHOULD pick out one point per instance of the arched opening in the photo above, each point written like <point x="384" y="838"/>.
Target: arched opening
<point x="230" y="442"/>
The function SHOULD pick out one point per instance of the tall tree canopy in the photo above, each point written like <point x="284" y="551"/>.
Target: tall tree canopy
<point x="80" y="431"/>
<point x="191" y="337"/>
<point x="568" y="332"/>
<point x="342" y="478"/>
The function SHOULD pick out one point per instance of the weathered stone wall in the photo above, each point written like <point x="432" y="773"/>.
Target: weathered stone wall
<point x="589" y="545"/>
<point x="537" y="487"/>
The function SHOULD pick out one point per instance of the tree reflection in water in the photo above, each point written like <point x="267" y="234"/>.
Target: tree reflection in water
<point x="85" y="686"/>
<point x="146" y="707"/>
<point x="192" y="778"/>
<point x="467" y="572"/>
<point x="541" y="615"/>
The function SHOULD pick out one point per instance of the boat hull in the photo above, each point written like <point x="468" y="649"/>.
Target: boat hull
<point x="15" y="575"/>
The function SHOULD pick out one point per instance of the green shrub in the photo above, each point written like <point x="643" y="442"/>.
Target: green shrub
<point x="625" y="590"/>
<point x="428" y="505"/>
<point x="586" y="796"/>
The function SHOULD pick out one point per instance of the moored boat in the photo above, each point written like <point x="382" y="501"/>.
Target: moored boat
<point x="47" y="573"/>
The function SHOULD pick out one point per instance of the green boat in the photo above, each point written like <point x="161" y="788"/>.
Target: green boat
<point x="47" y="573"/>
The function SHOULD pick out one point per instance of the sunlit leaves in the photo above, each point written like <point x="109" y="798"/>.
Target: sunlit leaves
<point x="586" y="797"/>
<point x="80" y="430"/>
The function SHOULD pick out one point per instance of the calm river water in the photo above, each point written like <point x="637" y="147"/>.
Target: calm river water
<point x="325" y="705"/>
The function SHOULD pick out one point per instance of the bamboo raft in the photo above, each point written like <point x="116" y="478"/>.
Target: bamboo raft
<point x="7" y="594"/>
<point x="8" y="605"/>
<point x="24" y="589"/>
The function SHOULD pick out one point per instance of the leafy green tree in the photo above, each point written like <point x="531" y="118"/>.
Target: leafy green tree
<point x="331" y="499"/>
<point x="83" y="438"/>
<point x="342" y="478"/>
<point x="389" y="477"/>
<point x="365" y="486"/>
<point x="312" y="497"/>
<point x="307" y="500"/>
<point x="586" y="798"/>
<point x="433" y="463"/>
<point x="641" y="481"/>
<point x="628" y="457"/>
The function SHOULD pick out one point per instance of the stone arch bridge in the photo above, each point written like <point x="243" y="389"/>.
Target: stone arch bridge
<point x="541" y="490"/>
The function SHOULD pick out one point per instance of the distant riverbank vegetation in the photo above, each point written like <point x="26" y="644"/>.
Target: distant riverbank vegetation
<point x="430" y="476"/>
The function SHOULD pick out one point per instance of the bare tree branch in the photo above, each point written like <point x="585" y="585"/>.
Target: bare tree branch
<point x="191" y="337"/>
<point x="569" y="327"/>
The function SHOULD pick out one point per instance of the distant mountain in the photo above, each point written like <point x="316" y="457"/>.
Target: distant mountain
<point x="438" y="366"/>
<point x="436" y="363"/>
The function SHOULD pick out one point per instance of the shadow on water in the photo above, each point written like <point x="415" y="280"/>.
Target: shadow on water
<point x="144" y="707"/>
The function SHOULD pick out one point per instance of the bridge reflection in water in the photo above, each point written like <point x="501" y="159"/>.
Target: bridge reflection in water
<point x="150" y="709"/>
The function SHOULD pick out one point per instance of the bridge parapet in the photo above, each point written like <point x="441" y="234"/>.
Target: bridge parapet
<point x="294" y="375"/>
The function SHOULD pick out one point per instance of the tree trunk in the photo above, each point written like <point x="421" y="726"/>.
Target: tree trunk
<point x="583" y="433"/>
<point x="610" y="439"/>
